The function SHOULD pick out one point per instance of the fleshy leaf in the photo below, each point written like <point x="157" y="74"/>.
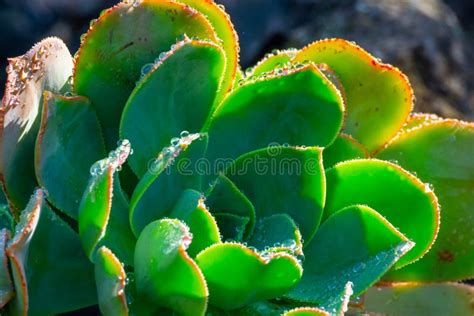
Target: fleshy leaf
<point x="405" y="201"/>
<point x="46" y="66"/>
<point x="191" y="209"/>
<point x="273" y="61"/>
<point x="227" y="35"/>
<point x="379" y="97"/>
<point x="141" y="305"/>
<point x="117" y="46"/>
<point x="441" y="153"/>
<point x="237" y="276"/>
<point x="225" y="197"/>
<point x="110" y="281"/>
<point x="345" y="147"/>
<point x="69" y="142"/>
<point x="6" y="286"/>
<point x="420" y="299"/>
<point x="6" y="218"/>
<point x="171" y="98"/>
<point x="103" y="212"/>
<point x="165" y="273"/>
<point x="47" y="260"/>
<point x="283" y="180"/>
<point x="173" y="171"/>
<point x="306" y="311"/>
<point x="355" y="244"/>
<point x="231" y="226"/>
<point x="277" y="232"/>
<point x="297" y="107"/>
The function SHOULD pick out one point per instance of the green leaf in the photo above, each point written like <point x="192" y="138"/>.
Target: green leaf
<point x="117" y="46"/>
<point x="286" y="180"/>
<point x="47" y="66"/>
<point x="277" y="232"/>
<point x="6" y="218"/>
<point x="140" y="305"/>
<point x="171" y="98"/>
<point x="174" y="170"/>
<point x="272" y="61"/>
<point x="48" y="262"/>
<point x="379" y="97"/>
<point x="440" y="153"/>
<point x="165" y="273"/>
<point x="228" y="39"/>
<point x="237" y="276"/>
<point x="110" y="281"/>
<point x="6" y="286"/>
<point x="405" y="201"/>
<point x="344" y="148"/>
<point x="297" y="107"/>
<point x="231" y="226"/>
<point x="420" y="299"/>
<point x="355" y="245"/>
<point x="225" y="197"/>
<point x="306" y="311"/>
<point x="191" y="209"/>
<point x="68" y="143"/>
<point x="103" y="212"/>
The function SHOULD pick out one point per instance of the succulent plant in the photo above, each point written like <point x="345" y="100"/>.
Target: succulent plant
<point x="303" y="186"/>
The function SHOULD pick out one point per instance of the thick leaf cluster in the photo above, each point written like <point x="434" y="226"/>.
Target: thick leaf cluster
<point x="302" y="182"/>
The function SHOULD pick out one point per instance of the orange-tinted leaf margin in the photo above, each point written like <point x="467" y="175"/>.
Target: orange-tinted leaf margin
<point x="18" y="241"/>
<point x="312" y="310"/>
<point x="4" y="237"/>
<point x="219" y="9"/>
<point x="110" y="185"/>
<point x="107" y="12"/>
<point x="122" y="277"/>
<point x="184" y="243"/>
<point x="374" y="62"/>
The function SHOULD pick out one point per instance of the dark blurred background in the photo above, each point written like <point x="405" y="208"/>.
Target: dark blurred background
<point x="432" y="41"/>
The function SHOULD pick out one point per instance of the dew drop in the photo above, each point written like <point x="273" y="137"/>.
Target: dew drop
<point x="175" y="141"/>
<point x="146" y="69"/>
<point x="428" y="188"/>
<point x="162" y="56"/>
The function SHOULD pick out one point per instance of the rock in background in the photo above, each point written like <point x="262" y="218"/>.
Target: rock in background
<point x="430" y="40"/>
